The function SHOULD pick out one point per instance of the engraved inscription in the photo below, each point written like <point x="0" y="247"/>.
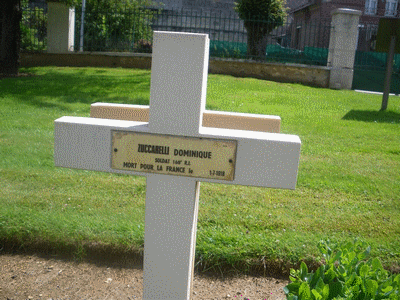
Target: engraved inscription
<point x="173" y="155"/>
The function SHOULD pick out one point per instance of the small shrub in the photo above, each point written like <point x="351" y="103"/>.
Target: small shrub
<point x="348" y="273"/>
<point x="143" y="46"/>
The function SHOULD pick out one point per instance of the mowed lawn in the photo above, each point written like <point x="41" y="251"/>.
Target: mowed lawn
<point x="348" y="185"/>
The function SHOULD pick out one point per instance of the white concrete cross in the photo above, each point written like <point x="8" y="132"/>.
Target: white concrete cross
<point x="177" y="102"/>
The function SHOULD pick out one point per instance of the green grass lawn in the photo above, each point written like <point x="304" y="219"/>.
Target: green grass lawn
<point x="348" y="185"/>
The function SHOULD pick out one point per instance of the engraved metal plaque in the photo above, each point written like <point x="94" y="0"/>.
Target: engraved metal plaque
<point x="173" y="155"/>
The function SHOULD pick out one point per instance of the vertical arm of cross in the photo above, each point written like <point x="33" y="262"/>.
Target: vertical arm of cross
<point x="178" y="83"/>
<point x="177" y="101"/>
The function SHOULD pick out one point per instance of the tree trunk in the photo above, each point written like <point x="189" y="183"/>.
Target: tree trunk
<point x="256" y="40"/>
<point x="10" y="17"/>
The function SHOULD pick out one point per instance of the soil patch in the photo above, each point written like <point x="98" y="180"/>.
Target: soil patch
<point x="50" y="277"/>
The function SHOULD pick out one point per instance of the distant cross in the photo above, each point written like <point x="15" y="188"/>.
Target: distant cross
<point x="175" y="152"/>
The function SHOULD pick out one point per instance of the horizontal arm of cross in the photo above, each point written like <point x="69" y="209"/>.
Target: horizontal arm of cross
<point x="262" y="159"/>
<point x="217" y="119"/>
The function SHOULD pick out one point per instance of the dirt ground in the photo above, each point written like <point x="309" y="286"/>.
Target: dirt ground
<point x="50" y="278"/>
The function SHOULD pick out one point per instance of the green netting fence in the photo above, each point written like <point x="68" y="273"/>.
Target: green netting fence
<point x="370" y="72"/>
<point x="308" y="56"/>
<point x="375" y="60"/>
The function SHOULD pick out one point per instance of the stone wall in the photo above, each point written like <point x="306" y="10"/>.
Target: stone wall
<point x="294" y="73"/>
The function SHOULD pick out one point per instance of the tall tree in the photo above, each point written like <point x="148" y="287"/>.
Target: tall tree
<point x="260" y="18"/>
<point x="10" y="17"/>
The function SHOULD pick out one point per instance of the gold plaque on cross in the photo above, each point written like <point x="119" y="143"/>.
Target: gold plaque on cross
<point x="173" y="155"/>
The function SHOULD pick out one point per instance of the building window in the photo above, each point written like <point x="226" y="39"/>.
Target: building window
<point x="371" y="6"/>
<point x="391" y="8"/>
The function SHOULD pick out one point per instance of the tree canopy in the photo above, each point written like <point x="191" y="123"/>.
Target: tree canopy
<point x="260" y="18"/>
<point x="267" y="10"/>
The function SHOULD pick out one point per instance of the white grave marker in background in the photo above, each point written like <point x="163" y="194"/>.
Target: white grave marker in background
<point x="175" y="141"/>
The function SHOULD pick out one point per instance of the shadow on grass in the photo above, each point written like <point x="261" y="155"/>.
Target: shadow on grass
<point x="102" y="255"/>
<point x="373" y="116"/>
<point x="58" y="88"/>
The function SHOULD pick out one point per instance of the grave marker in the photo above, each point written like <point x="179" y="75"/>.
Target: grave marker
<point x="175" y="133"/>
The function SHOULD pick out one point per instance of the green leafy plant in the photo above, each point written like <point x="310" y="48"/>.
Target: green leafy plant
<point x="115" y="25"/>
<point x="33" y="29"/>
<point x="260" y="18"/>
<point x="347" y="273"/>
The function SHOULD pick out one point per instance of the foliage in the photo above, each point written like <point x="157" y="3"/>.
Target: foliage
<point x="105" y="3"/>
<point x="346" y="274"/>
<point x="67" y="2"/>
<point x="272" y="11"/>
<point x="115" y="26"/>
<point x="260" y="18"/>
<point x="33" y="29"/>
